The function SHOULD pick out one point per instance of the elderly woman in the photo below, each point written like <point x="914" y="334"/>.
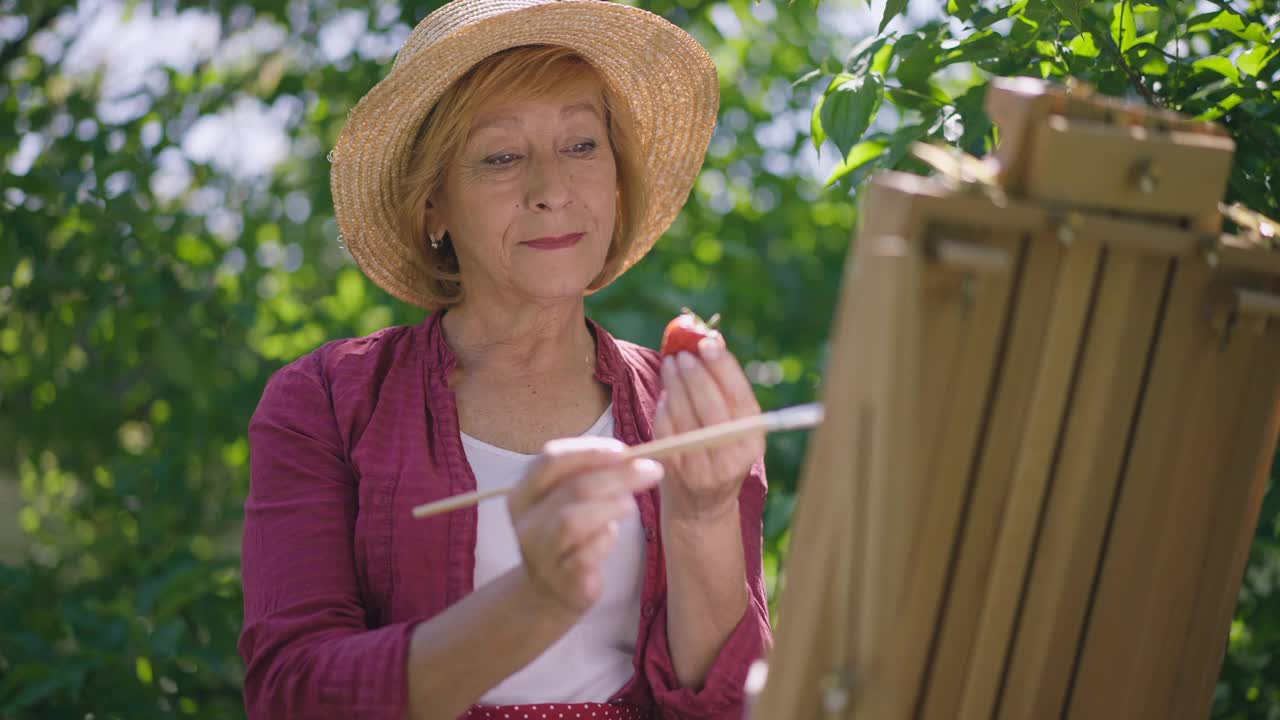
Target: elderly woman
<point x="520" y="155"/>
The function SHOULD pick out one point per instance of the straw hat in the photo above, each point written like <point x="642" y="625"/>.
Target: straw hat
<point x="665" y="75"/>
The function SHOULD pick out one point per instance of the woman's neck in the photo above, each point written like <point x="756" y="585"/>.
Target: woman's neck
<point x="532" y="341"/>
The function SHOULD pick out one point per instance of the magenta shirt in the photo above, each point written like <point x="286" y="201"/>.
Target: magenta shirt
<point x="345" y="441"/>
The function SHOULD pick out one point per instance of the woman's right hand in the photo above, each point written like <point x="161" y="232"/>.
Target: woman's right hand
<point x="565" y="513"/>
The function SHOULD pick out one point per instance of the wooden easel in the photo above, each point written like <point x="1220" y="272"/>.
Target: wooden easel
<point x="1052" y="401"/>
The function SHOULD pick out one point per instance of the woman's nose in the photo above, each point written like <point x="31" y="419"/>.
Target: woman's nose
<point x="548" y="184"/>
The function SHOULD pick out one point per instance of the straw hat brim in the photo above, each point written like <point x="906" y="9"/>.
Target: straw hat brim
<point x="666" y="77"/>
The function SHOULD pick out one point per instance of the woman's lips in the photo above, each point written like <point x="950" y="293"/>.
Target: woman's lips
<point x="555" y="243"/>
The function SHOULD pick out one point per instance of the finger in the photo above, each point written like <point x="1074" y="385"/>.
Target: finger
<point x="705" y="396"/>
<point x="624" y="479"/>
<point x="684" y="418"/>
<point x="679" y="407"/>
<point x="577" y="524"/>
<point x="563" y="458"/>
<point x="728" y="374"/>
<point x="590" y="553"/>
<point x="662" y="420"/>
<point x="581" y="568"/>
<point x="585" y="587"/>
<point x="751" y="447"/>
<point x="643" y="474"/>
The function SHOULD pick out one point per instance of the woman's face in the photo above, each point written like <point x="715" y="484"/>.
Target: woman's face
<point x="529" y="204"/>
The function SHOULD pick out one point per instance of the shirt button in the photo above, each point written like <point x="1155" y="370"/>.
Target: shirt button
<point x="647" y="610"/>
<point x="649" y="533"/>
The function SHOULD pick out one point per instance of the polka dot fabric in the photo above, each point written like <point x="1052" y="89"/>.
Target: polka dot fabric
<point x="556" y="711"/>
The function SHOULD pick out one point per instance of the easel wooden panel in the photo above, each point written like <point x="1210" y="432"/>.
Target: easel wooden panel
<point x="1237" y="507"/>
<point x="962" y="409"/>
<point x="1087" y="468"/>
<point x="958" y="625"/>
<point x="1037" y="447"/>
<point x="1124" y="598"/>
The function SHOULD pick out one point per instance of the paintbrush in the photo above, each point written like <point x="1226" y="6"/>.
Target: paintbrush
<point x="796" y="417"/>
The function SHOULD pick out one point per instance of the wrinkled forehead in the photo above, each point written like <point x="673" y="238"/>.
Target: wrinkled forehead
<point x="571" y="94"/>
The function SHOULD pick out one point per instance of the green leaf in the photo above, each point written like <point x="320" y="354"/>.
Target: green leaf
<point x="916" y="100"/>
<point x="863" y="54"/>
<point x="1083" y="46"/>
<point x="1024" y="32"/>
<point x="1256" y="32"/>
<point x="808" y="77"/>
<point x="984" y="18"/>
<point x="1070" y="10"/>
<point x="892" y="9"/>
<point x="1225" y="20"/>
<point x="849" y="106"/>
<point x="962" y="9"/>
<point x="903" y="137"/>
<point x="817" y="133"/>
<point x="1157" y="65"/>
<point x="1222" y="108"/>
<point x="861" y="154"/>
<point x="1233" y="23"/>
<point x="976" y="48"/>
<point x="880" y="61"/>
<point x="1148" y="40"/>
<point x="973" y="115"/>
<point x="1124" y="29"/>
<point x="1220" y="65"/>
<point x="142" y="667"/>
<point x="919" y="59"/>
<point x="1254" y="60"/>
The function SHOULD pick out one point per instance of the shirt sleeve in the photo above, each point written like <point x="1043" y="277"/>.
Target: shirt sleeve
<point x="722" y="695"/>
<point x="308" y="650"/>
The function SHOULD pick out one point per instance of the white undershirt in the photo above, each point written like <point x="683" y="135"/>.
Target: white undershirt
<point x="594" y="659"/>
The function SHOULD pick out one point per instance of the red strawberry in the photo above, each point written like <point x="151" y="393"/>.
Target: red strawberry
<point x="684" y="331"/>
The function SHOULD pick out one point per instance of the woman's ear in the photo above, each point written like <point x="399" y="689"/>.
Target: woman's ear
<point x="433" y="219"/>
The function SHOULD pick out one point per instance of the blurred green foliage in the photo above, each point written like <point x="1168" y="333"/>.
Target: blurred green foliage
<point x="162" y="251"/>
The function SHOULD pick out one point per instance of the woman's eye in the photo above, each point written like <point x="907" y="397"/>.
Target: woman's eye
<point x="500" y="159"/>
<point x="582" y="148"/>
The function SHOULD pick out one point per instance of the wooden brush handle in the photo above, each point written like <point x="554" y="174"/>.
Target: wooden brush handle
<point x="710" y="436"/>
<point x="457" y="502"/>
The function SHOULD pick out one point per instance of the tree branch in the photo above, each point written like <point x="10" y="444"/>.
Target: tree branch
<point x="1110" y="45"/>
<point x="1134" y="78"/>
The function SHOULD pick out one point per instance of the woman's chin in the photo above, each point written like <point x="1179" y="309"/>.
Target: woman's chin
<point x="558" y="286"/>
<point x="567" y="277"/>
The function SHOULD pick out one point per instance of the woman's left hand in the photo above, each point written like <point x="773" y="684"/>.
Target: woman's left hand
<point x="699" y="390"/>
